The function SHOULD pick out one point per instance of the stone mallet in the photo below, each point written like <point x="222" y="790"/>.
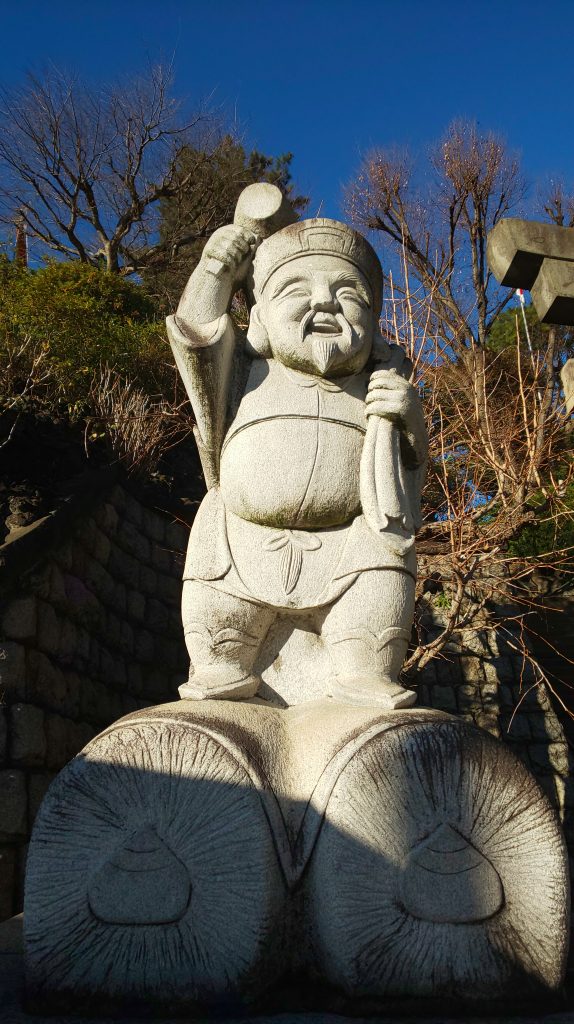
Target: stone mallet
<point x="261" y="208"/>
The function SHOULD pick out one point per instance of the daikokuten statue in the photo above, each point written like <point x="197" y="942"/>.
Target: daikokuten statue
<point x="313" y="446"/>
<point x="223" y="855"/>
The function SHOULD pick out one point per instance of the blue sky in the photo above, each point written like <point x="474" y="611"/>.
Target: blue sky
<point x="329" y="79"/>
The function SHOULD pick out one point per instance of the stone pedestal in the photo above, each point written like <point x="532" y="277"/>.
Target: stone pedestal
<point x="195" y="854"/>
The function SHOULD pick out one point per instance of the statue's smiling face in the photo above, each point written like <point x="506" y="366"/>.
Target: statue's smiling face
<point x="318" y="315"/>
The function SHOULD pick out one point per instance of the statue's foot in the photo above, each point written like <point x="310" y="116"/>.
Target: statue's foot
<point x="372" y="691"/>
<point x="218" y="683"/>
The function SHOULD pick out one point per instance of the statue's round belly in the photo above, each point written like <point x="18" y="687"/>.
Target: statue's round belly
<point x="293" y="473"/>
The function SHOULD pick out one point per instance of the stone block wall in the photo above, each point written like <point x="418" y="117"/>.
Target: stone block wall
<point x="484" y="680"/>
<point x="90" y="629"/>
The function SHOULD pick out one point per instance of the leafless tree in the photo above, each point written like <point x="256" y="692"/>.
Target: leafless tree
<point x="86" y="169"/>
<point x="501" y="455"/>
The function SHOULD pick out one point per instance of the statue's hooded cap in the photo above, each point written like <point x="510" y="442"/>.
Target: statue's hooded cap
<point x="321" y="237"/>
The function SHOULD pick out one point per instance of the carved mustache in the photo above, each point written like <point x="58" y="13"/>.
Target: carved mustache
<point x="344" y="334"/>
<point x="327" y="345"/>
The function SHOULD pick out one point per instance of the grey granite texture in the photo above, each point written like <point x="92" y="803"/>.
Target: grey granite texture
<point x="539" y="258"/>
<point x="13" y="1012"/>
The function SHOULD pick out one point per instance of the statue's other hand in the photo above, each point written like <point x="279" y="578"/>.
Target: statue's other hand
<point x="393" y="398"/>
<point x="233" y="247"/>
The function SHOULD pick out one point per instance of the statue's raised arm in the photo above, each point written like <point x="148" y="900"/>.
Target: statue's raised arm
<point x="202" y="333"/>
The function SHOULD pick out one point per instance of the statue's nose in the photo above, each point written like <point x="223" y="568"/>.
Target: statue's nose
<point x="323" y="302"/>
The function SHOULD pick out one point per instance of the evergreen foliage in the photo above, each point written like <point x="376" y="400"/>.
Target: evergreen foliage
<point x="59" y="325"/>
<point x="215" y="181"/>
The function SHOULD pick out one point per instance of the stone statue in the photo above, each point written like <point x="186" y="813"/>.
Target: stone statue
<point x="313" y="446"/>
<point x="207" y="853"/>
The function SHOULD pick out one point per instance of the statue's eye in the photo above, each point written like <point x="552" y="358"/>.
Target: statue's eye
<point x="297" y="292"/>
<point x="350" y="295"/>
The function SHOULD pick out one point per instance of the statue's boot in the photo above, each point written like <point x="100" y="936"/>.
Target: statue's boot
<point x="372" y="690"/>
<point x="368" y="666"/>
<point x="223" y="681"/>
<point x="201" y="853"/>
<point x="223" y="635"/>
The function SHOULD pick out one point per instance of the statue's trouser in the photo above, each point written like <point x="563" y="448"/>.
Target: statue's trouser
<point x="195" y="853"/>
<point x="367" y="630"/>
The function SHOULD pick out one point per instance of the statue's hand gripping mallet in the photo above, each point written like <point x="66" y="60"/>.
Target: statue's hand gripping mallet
<point x="262" y="209"/>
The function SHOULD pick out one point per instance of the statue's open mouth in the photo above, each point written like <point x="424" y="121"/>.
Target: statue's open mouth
<point x="323" y="325"/>
<point x="315" y="323"/>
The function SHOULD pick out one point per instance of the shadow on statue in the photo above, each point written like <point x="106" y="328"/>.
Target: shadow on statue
<point x="168" y="874"/>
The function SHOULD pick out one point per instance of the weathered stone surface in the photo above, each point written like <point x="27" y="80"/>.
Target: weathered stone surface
<point x="302" y="587"/>
<point x="81" y="602"/>
<point x="134" y="676"/>
<point x="57" y="588"/>
<point x="46" y="683"/>
<point x="402" y="853"/>
<point x="444" y="697"/>
<point x="68" y="642"/>
<point x="107" y="518"/>
<point x="133" y="541"/>
<point x="27" y="735"/>
<point x="38" y="784"/>
<point x="101" y="547"/>
<point x="540" y="258"/>
<point x="176" y="536"/>
<point x="83" y="644"/>
<point x="13" y="803"/>
<point x="211" y="892"/>
<point x="7" y="881"/>
<point x="154" y="526"/>
<point x="3" y="734"/>
<point x="517" y="248"/>
<point x="553" y="291"/>
<point x="136" y="605"/>
<point x="56" y="745"/>
<point x="157" y="617"/>
<point x="144" y="646"/>
<point x="148" y="580"/>
<point x="168" y="589"/>
<point x="80" y="560"/>
<point x="98" y="579"/>
<point x="518" y="728"/>
<point x="63" y="556"/>
<point x="112" y="631"/>
<point x="429" y="900"/>
<point x="12" y="670"/>
<point x="49" y="628"/>
<point x="118" y="498"/>
<point x="123" y="567"/>
<point x="161" y="558"/>
<point x="118" y="599"/>
<point x="19" y="619"/>
<point x="133" y="510"/>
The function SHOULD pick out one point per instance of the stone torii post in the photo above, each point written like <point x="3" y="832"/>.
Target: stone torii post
<point x="539" y="258"/>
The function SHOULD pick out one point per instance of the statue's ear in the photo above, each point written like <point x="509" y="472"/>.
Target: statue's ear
<point x="257" y="337"/>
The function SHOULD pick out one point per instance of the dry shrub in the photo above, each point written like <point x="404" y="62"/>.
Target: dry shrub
<point x="137" y="429"/>
<point x="501" y="460"/>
